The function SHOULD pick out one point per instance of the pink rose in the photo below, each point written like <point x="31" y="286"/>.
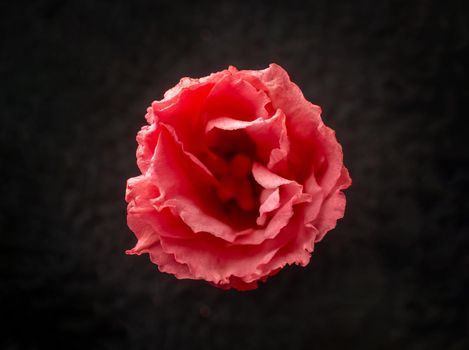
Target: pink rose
<point x="240" y="177"/>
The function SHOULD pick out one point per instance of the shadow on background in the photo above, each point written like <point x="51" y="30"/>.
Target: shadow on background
<point x="392" y="81"/>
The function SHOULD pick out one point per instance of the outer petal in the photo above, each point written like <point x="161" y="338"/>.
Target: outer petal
<point x="333" y="207"/>
<point x="147" y="224"/>
<point x="171" y="96"/>
<point x="210" y="259"/>
<point x="235" y="98"/>
<point x="166" y="263"/>
<point x="184" y="114"/>
<point x="144" y="219"/>
<point x="298" y="250"/>
<point x="146" y="139"/>
<point x="311" y="141"/>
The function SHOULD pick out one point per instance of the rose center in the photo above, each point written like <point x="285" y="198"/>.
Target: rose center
<point x="236" y="183"/>
<point x="226" y="156"/>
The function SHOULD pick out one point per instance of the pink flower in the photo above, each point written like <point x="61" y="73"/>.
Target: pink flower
<point x="240" y="177"/>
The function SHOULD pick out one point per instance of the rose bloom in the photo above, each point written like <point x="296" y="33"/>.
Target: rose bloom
<point x="239" y="178"/>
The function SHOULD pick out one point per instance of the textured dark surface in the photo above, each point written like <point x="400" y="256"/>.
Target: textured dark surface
<point x="76" y="78"/>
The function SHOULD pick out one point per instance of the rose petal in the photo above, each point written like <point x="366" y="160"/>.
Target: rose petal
<point x="271" y="139"/>
<point x="146" y="138"/>
<point x="225" y="123"/>
<point x="235" y="98"/>
<point x="147" y="223"/>
<point x="211" y="259"/>
<point x="271" y="203"/>
<point x="333" y="207"/>
<point x="144" y="219"/>
<point x="171" y="96"/>
<point x="139" y="190"/>
<point x="317" y="197"/>
<point x="290" y="195"/>
<point x="169" y="162"/>
<point x="311" y="141"/>
<point x="200" y="217"/>
<point x="237" y="283"/>
<point x="266" y="178"/>
<point x="166" y="263"/>
<point x="297" y="250"/>
<point x="184" y="115"/>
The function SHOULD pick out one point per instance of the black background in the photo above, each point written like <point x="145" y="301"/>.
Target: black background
<point x="76" y="78"/>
